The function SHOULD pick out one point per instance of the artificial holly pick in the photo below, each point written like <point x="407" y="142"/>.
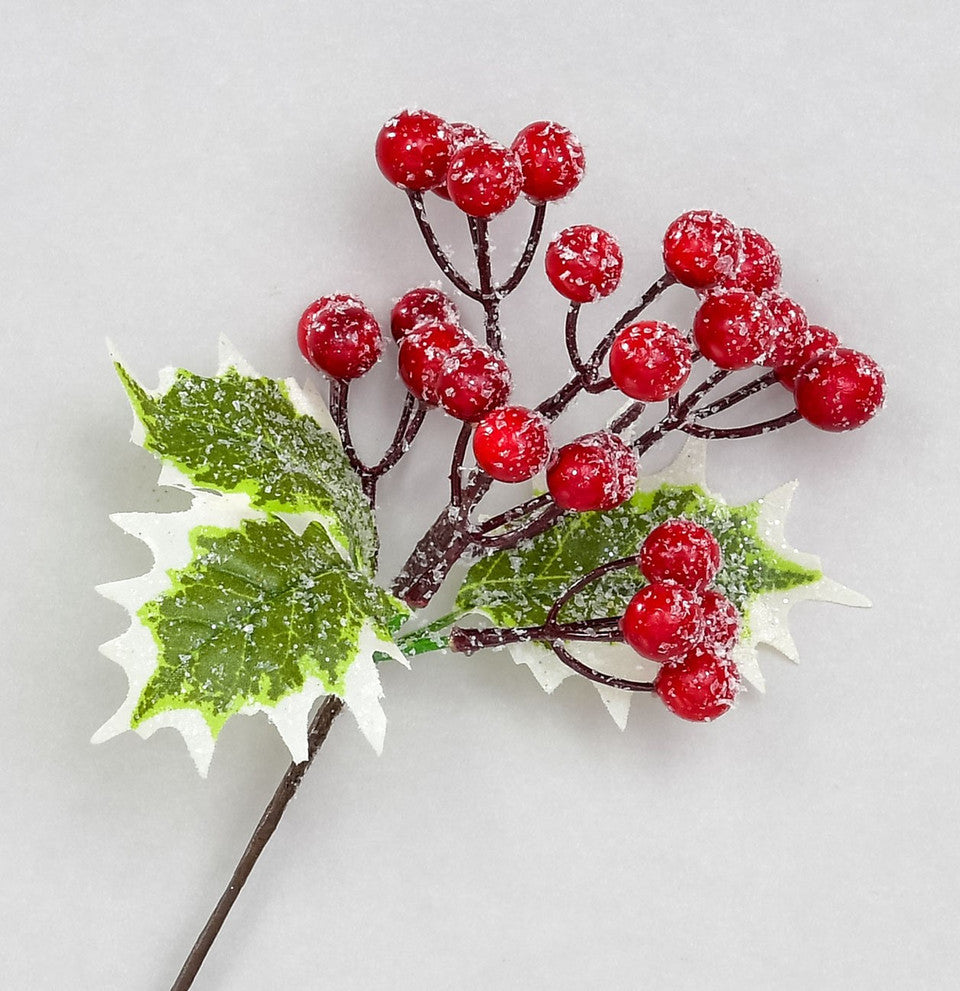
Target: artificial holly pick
<point x="265" y="594"/>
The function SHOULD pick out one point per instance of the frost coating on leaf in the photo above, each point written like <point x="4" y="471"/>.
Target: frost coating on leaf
<point x="240" y="614"/>
<point x="271" y="440"/>
<point x="762" y="574"/>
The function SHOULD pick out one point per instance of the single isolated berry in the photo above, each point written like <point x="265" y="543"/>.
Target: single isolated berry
<point x="473" y="381"/>
<point x="551" y="158"/>
<point x="596" y="471"/>
<point x="701" y="248"/>
<point x="461" y="133"/>
<point x="839" y="389"/>
<point x="422" y="305"/>
<point x="790" y="325"/>
<point x="733" y="328"/>
<point x="650" y="361"/>
<point x="340" y="336"/>
<point x="484" y="178"/>
<point x="721" y="622"/>
<point x="700" y="687"/>
<point x="663" y="622"/>
<point x="584" y="263"/>
<point x="413" y="150"/>
<point x="680" y="551"/>
<point x="422" y="354"/>
<point x="760" y="269"/>
<point x="814" y="341"/>
<point x="512" y="443"/>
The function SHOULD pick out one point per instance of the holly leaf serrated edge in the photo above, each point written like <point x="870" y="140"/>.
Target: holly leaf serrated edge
<point x="168" y="535"/>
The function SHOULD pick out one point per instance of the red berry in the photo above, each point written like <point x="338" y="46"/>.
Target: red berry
<point x="413" y="149"/>
<point x="423" y="305"/>
<point x="701" y="248"/>
<point x="760" y="267"/>
<point x="584" y="263"/>
<point x="733" y="328"/>
<point x="839" y="389"/>
<point x="680" y="551"/>
<point x="551" y="158"/>
<point x="596" y="471"/>
<point x="484" y="178"/>
<point x="512" y="443"/>
<point x="461" y="133"/>
<point x="815" y="341"/>
<point x="650" y="361"/>
<point x="663" y="622"/>
<point x="340" y="336"/>
<point x="721" y="622"/>
<point x="790" y="325"/>
<point x="422" y="354"/>
<point x="473" y="381"/>
<point x="700" y="687"/>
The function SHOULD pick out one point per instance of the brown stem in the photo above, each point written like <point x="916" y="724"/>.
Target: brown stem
<point x="287" y="788"/>
<point x="738" y="395"/>
<point x="751" y="430"/>
<point x="467" y="640"/>
<point x="529" y="250"/>
<point x="433" y="245"/>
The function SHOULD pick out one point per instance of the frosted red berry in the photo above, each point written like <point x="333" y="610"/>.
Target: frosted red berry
<point x="584" y="263"/>
<point x="551" y="158"/>
<point x="512" y="444"/>
<point x="340" y="336"/>
<point x="597" y="471"/>
<point x="650" y="361"/>
<point x="680" y="551"/>
<point x="413" y="150"/>
<point x="422" y="353"/>
<point x="418" y="306"/>
<point x="701" y="248"/>
<point x="473" y="381"/>
<point x="815" y="340"/>
<point x="484" y="178"/>
<point x="733" y="328"/>
<point x="760" y="268"/>
<point x="721" y="622"/>
<point x="839" y="389"/>
<point x="701" y="687"/>
<point x="461" y="133"/>
<point x="663" y="622"/>
<point x="790" y="325"/>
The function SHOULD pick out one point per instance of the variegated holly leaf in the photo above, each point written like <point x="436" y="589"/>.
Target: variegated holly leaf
<point x="761" y="574"/>
<point x="242" y="614"/>
<point x="239" y="432"/>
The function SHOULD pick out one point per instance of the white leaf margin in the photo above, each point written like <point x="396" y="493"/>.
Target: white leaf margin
<point x="769" y="612"/>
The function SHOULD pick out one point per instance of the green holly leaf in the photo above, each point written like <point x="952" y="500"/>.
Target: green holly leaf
<point x="237" y="432"/>
<point x="761" y="574"/>
<point x="242" y="614"/>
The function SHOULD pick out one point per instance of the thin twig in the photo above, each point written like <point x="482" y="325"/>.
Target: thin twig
<point x="439" y="256"/>
<point x="751" y="430"/>
<point x="738" y="395"/>
<point x="529" y="250"/>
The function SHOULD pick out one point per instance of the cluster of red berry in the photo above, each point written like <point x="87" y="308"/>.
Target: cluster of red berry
<point x="680" y="622"/>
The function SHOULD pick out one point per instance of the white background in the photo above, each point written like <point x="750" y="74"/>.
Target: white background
<point x="172" y="171"/>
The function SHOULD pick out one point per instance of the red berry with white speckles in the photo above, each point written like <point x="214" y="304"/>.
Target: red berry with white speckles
<point x="815" y="340"/>
<point x="418" y="306"/>
<point x="760" y="269"/>
<point x="663" y="621"/>
<point x="680" y="551"/>
<point x="461" y="133"/>
<point x="484" y="178"/>
<point x="733" y="328"/>
<point x="650" y="361"/>
<point x="701" y="687"/>
<point x="839" y="389"/>
<point x="721" y="622"/>
<point x="340" y="336"/>
<point x="596" y="471"/>
<point x="551" y="158"/>
<point x="473" y="381"/>
<point x="422" y="353"/>
<point x="512" y="443"/>
<point x="701" y="248"/>
<point x="584" y="263"/>
<point x="790" y="325"/>
<point x="413" y="150"/>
